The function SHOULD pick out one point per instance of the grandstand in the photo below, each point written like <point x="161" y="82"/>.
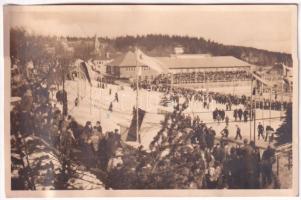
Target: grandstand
<point x="185" y="69"/>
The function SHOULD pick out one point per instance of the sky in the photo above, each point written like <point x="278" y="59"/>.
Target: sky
<point x="270" y="27"/>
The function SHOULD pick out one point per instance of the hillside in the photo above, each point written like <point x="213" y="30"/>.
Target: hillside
<point x="27" y="47"/>
<point x="163" y="45"/>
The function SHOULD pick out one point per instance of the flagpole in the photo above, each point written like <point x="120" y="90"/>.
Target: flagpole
<point x="85" y="87"/>
<point x="262" y="109"/>
<point x="270" y="106"/>
<point x="152" y="64"/>
<point x="100" y="91"/>
<point x="251" y="107"/>
<point x="90" y="98"/>
<point x="137" y="103"/>
<point x="171" y="80"/>
<point x="77" y="82"/>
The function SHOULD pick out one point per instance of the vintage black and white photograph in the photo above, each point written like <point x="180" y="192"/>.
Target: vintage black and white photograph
<point x="151" y="97"/>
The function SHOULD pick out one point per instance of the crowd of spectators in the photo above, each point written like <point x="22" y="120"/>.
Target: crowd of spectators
<point x="206" y="97"/>
<point x="224" y="165"/>
<point x="38" y="115"/>
<point x="203" y="77"/>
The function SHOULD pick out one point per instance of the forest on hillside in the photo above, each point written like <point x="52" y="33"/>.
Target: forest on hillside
<point x="163" y="45"/>
<point x="25" y="47"/>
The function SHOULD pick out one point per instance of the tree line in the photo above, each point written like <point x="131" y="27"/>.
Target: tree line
<point x="26" y="47"/>
<point x="163" y="45"/>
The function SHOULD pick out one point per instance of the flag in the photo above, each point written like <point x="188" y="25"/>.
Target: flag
<point x="132" y="131"/>
<point x="84" y="70"/>
<point x="152" y="63"/>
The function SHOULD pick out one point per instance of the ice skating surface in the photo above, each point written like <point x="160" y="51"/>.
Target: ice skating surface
<point x="94" y="104"/>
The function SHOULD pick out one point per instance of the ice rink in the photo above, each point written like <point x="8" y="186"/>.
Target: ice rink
<point x="95" y="102"/>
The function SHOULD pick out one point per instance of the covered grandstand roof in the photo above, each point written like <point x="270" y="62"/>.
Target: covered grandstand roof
<point x="129" y="59"/>
<point x="204" y="62"/>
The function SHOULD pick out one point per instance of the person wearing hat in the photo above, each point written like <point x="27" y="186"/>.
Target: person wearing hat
<point x="95" y="139"/>
<point x="238" y="134"/>
<point x="227" y="120"/>
<point x="76" y="102"/>
<point x="66" y="142"/>
<point x="260" y="130"/>
<point x="249" y="172"/>
<point x="98" y="126"/>
<point x="85" y="134"/>
<point x="268" y="159"/>
<point x="225" y="132"/>
<point x="116" y="97"/>
<point x="269" y="133"/>
<point x="240" y="113"/>
<point x="210" y="138"/>
<point x="235" y="114"/>
<point x="111" y="107"/>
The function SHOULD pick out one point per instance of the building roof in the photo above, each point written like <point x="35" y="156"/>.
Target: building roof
<point x="129" y="59"/>
<point x="190" y="55"/>
<point x="204" y="62"/>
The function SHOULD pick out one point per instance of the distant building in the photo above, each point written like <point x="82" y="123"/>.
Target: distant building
<point x="125" y="65"/>
<point x="100" y="58"/>
<point x="204" y="64"/>
<point x="178" y="49"/>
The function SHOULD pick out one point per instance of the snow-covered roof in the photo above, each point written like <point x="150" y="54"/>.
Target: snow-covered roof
<point x="129" y="59"/>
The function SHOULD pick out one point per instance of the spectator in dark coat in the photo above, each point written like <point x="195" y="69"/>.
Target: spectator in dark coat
<point x="268" y="159"/>
<point x="260" y="130"/>
<point x="240" y="114"/>
<point x="235" y="114"/>
<point x="238" y="134"/>
<point x="245" y="113"/>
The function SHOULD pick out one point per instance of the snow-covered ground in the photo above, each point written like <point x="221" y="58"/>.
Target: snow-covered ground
<point x="94" y="107"/>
